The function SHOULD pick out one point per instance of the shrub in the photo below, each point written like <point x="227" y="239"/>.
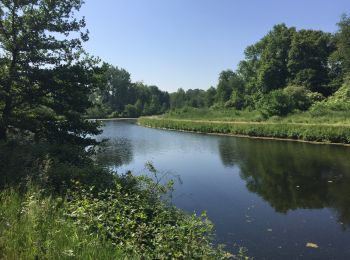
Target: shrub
<point x="130" y="111"/>
<point x="34" y="226"/>
<point x="276" y="103"/>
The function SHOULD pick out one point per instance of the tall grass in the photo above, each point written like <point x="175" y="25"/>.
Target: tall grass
<point x="51" y="208"/>
<point x="222" y="114"/>
<point x="307" y="132"/>
<point x="318" y="114"/>
<point x="35" y="227"/>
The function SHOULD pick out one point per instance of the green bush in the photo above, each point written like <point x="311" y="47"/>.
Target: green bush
<point x="34" y="226"/>
<point x="130" y="111"/>
<point x="276" y="103"/>
<point x="282" y="102"/>
<point x="137" y="220"/>
<point x="81" y="210"/>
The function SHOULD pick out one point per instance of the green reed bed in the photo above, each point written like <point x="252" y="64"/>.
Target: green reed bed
<point x="306" y="132"/>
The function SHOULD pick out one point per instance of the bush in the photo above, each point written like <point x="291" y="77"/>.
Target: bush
<point x="130" y="111"/>
<point x="339" y="102"/>
<point x="34" y="226"/>
<point x="79" y="209"/>
<point x="276" y="103"/>
<point x="281" y="102"/>
<point x="133" y="216"/>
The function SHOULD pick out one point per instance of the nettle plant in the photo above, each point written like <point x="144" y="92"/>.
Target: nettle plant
<point x="134" y="215"/>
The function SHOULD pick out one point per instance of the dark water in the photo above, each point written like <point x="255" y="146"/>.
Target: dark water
<point x="271" y="197"/>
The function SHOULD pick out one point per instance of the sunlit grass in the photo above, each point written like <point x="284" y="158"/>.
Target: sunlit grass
<point x="34" y="227"/>
<point x="297" y="131"/>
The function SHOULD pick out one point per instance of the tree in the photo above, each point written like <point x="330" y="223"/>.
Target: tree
<point x="276" y="103"/>
<point x="210" y="96"/>
<point x="178" y="99"/>
<point x="308" y="60"/>
<point x="273" y="72"/>
<point x="130" y="111"/>
<point x="341" y="56"/>
<point x="45" y="77"/>
<point x="118" y="89"/>
<point x="228" y="81"/>
<point x="195" y="98"/>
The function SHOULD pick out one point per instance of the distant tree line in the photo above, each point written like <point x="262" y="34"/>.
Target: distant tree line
<point x="285" y="71"/>
<point x="119" y="97"/>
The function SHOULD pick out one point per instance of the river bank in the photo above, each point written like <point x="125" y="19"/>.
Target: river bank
<point x="301" y="132"/>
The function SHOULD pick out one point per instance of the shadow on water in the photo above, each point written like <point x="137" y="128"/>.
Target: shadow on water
<point x="115" y="152"/>
<point x="292" y="176"/>
<point x="272" y="197"/>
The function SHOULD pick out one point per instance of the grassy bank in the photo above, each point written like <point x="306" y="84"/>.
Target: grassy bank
<point x="118" y="223"/>
<point x="33" y="226"/>
<point x="318" y="115"/>
<point x="54" y="208"/>
<point x="327" y="133"/>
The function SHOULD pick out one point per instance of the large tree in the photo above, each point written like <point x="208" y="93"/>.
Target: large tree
<point x="45" y="77"/>
<point x="308" y="60"/>
<point x="229" y="81"/>
<point x="273" y="73"/>
<point x="118" y="88"/>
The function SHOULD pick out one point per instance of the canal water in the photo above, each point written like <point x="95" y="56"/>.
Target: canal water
<point x="272" y="197"/>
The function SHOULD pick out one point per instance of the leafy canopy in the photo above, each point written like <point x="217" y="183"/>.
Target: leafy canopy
<point x="45" y="75"/>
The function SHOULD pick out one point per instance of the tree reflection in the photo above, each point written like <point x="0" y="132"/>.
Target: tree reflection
<point x="115" y="152"/>
<point x="292" y="175"/>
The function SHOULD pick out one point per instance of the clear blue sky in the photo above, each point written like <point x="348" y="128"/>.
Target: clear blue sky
<point x="187" y="43"/>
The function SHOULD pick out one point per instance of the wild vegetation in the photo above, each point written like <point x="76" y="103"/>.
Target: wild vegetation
<point x="297" y="131"/>
<point x="57" y="210"/>
<point x="119" y="97"/>
<point x="295" y="83"/>
<point x="289" y="76"/>
<point x="287" y="71"/>
<point x="56" y="201"/>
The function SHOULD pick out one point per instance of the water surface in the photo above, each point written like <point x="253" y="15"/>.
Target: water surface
<point x="272" y="197"/>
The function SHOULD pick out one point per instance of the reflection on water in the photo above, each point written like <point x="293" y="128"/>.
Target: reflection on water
<point x="269" y="196"/>
<point x="293" y="176"/>
<point x="115" y="152"/>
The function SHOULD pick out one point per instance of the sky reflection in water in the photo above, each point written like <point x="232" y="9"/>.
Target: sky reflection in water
<point x="269" y="196"/>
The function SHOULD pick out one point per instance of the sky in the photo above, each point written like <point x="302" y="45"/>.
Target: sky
<point x="186" y="43"/>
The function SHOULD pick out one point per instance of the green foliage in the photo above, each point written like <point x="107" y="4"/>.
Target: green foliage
<point x="308" y="60"/>
<point x="276" y="103"/>
<point x="272" y="72"/>
<point x="48" y="166"/>
<point x="281" y="102"/>
<point x="119" y="97"/>
<point x="59" y="204"/>
<point x="192" y="98"/>
<point x="45" y="76"/>
<point x="214" y="113"/>
<point x="34" y="226"/>
<point x="229" y="82"/>
<point x="285" y="72"/>
<point x="341" y="55"/>
<point x="130" y="111"/>
<point x="285" y="189"/>
<point x="133" y="216"/>
<point x="338" y="103"/>
<point x="298" y="131"/>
